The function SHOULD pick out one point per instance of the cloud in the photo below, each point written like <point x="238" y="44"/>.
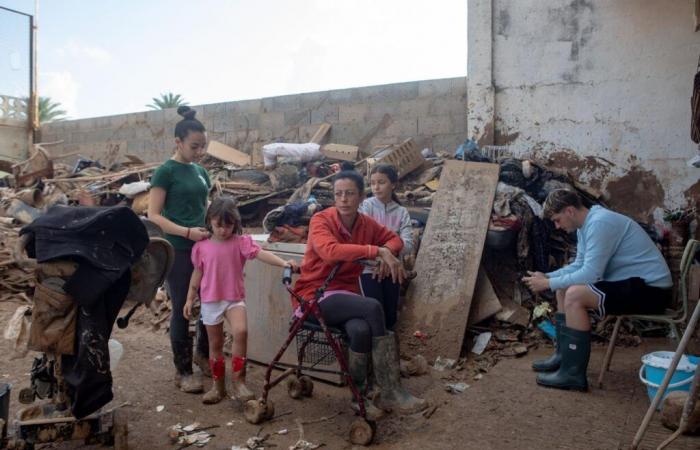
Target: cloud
<point x="79" y="50"/>
<point x="61" y="87"/>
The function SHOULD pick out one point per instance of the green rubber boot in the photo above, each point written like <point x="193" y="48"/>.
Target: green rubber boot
<point x="576" y="351"/>
<point x="553" y="362"/>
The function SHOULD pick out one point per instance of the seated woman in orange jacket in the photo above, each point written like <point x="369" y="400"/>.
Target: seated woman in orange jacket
<point x="341" y="234"/>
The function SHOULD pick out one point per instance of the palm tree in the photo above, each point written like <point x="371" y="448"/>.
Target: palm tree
<point x="167" y="100"/>
<point x="49" y="111"/>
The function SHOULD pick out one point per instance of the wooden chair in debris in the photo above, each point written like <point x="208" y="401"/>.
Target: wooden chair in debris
<point x="672" y="317"/>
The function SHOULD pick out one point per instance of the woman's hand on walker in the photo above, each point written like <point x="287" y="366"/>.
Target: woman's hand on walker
<point x="390" y="265"/>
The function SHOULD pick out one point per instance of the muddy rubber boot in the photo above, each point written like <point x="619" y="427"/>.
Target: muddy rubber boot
<point x="184" y="378"/>
<point x="576" y="351"/>
<point x="218" y="388"/>
<point x="239" y="390"/>
<point x="385" y="359"/>
<point x="552" y="363"/>
<point x="358" y="363"/>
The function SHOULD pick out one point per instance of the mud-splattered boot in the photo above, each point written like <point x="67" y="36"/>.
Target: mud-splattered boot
<point x="239" y="390"/>
<point x="218" y="388"/>
<point x="358" y="363"/>
<point x="385" y="359"/>
<point x="185" y="380"/>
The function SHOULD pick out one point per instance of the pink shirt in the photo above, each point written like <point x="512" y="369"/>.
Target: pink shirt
<point x="222" y="264"/>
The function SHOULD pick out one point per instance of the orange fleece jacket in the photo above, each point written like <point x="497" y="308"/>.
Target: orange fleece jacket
<point x="330" y="242"/>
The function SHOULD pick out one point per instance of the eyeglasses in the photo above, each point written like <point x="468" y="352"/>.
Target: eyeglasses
<point x="340" y="194"/>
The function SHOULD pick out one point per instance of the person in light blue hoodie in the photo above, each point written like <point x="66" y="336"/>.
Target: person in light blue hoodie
<point x="385" y="209"/>
<point x="618" y="270"/>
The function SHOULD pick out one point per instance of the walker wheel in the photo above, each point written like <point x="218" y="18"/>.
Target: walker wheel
<point x="295" y="387"/>
<point x="120" y="429"/>
<point x="307" y="386"/>
<point x="257" y="411"/>
<point x="361" y="432"/>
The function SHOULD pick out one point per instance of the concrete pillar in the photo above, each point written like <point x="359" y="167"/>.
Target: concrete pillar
<point x="480" y="89"/>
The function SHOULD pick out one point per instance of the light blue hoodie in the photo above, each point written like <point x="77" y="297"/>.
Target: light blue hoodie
<point x="612" y="247"/>
<point x="393" y="216"/>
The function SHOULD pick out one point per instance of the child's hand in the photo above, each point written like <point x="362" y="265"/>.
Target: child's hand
<point x="293" y="264"/>
<point x="187" y="310"/>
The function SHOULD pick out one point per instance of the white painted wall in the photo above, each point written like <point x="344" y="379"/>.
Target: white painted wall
<point x="610" y="79"/>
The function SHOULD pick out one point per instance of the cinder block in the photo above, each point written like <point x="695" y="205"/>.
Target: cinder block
<point x="139" y="119"/>
<point x="281" y="104"/>
<point x="445" y="86"/>
<point x="448" y="105"/>
<point x="389" y="92"/>
<point x="244" y="122"/>
<point x="344" y="96"/>
<point x="306" y="132"/>
<point x="244" y="106"/>
<point x="223" y="122"/>
<point x="325" y="113"/>
<point x="414" y="108"/>
<point x="171" y="116"/>
<point x="352" y="113"/>
<point x="214" y="109"/>
<point x="155" y="117"/>
<point x="402" y="127"/>
<point x="314" y="100"/>
<point x="271" y="121"/>
<point x="348" y="133"/>
<point x="377" y="110"/>
<point x="297" y="117"/>
<point x="446" y="124"/>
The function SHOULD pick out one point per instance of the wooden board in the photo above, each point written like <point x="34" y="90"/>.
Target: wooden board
<point x="228" y="154"/>
<point x="440" y="297"/>
<point x="340" y="151"/>
<point x="321" y="133"/>
<point x="486" y="302"/>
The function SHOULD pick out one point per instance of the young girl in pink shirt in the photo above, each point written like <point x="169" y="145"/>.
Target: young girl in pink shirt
<point x="218" y="278"/>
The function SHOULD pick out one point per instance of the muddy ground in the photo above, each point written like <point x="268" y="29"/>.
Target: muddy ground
<point x="503" y="410"/>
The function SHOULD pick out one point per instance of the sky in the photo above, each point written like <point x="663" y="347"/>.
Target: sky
<point x="109" y="57"/>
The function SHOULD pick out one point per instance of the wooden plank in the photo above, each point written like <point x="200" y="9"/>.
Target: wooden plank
<point x="228" y="154"/>
<point x="340" y="151"/>
<point x="440" y="297"/>
<point x="486" y="302"/>
<point x="321" y="133"/>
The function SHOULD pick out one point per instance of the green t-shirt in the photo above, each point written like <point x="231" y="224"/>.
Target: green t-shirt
<point x="186" y="189"/>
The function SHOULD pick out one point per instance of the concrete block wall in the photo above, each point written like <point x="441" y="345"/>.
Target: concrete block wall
<point x="433" y="112"/>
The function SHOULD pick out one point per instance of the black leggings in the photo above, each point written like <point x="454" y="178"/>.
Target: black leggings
<point x="177" y="285"/>
<point x="386" y="291"/>
<point x="362" y="318"/>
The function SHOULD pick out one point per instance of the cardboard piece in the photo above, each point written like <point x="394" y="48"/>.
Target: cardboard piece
<point x="228" y="154"/>
<point x="486" y="302"/>
<point x="440" y="297"/>
<point x="340" y="151"/>
<point x="321" y="133"/>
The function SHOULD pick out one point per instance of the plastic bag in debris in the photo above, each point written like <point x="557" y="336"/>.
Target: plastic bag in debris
<point x="17" y="331"/>
<point x="302" y="152"/>
<point x="469" y="151"/>
<point x="130" y="190"/>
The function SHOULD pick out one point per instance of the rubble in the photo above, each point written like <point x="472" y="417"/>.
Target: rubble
<point x="283" y="200"/>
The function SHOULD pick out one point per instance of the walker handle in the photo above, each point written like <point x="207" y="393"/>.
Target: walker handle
<point x="656" y="386"/>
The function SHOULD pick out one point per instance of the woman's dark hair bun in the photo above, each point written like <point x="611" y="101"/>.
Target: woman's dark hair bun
<point x="186" y="112"/>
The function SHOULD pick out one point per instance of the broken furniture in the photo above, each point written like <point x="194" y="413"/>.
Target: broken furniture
<point x="671" y="317"/>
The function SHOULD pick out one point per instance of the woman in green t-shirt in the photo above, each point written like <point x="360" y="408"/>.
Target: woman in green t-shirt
<point x="178" y="204"/>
